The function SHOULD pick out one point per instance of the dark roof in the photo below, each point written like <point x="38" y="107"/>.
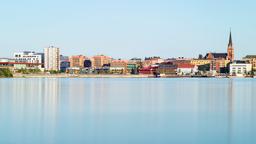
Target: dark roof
<point x="250" y="56"/>
<point x="217" y="55"/>
<point x="240" y="62"/>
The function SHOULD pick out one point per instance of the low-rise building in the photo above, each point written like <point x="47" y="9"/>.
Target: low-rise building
<point x="118" y="66"/>
<point x="240" y="68"/>
<point x="29" y="57"/>
<point x="186" y="69"/>
<point x="64" y="65"/>
<point x="132" y="68"/>
<point x="150" y="70"/>
<point x="199" y="62"/>
<point x="252" y="60"/>
<point x="167" y="68"/>
<point x="152" y="61"/>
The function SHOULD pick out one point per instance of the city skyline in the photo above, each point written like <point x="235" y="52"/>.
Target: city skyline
<point x="114" y="28"/>
<point x="230" y="52"/>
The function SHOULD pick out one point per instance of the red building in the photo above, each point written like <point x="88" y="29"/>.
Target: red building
<point x="148" y="70"/>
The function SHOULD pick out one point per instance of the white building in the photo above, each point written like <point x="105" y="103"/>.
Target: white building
<point x="52" y="58"/>
<point x="240" y="68"/>
<point x="186" y="69"/>
<point x="30" y="57"/>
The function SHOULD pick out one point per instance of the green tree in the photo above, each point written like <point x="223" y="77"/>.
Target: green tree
<point x="5" y="72"/>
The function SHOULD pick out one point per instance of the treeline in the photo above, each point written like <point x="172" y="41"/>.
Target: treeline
<point x="28" y="71"/>
<point x="5" y="72"/>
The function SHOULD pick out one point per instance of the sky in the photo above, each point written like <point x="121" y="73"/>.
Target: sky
<point x="128" y="28"/>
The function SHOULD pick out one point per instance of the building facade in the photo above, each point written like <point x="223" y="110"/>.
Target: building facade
<point x="118" y="66"/>
<point x="167" y="68"/>
<point x="77" y="61"/>
<point x="252" y="60"/>
<point x="186" y="69"/>
<point x="99" y="60"/>
<point x="30" y="58"/>
<point x="52" y="58"/>
<point x="240" y="68"/>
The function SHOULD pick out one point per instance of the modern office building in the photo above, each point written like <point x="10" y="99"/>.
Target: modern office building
<point x="52" y="58"/>
<point x="30" y="57"/>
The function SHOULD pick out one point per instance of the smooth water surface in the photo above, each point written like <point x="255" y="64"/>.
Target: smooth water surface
<point x="127" y="111"/>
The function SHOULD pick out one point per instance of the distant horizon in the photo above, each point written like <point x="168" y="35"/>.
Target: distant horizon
<point x="128" y="28"/>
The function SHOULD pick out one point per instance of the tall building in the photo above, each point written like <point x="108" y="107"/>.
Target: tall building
<point x="230" y="50"/>
<point x="77" y="61"/>
<point x="30" y="57"/>
<point x="52" y="58"/>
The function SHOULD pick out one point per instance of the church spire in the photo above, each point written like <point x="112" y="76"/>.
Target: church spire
<point x="230" y="50"/>
<point x="230" y="44"/>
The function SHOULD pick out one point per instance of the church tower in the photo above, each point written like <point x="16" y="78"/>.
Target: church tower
<point x="230" y="50"/>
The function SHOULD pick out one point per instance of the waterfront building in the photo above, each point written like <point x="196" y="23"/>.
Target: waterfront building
<point x="199" y="62"/>
<point x="118" y="66"/>
<point x="180" y="61"/>
<point x="152" y="61"/>
<point x="150" y="70"/>
<point x="99" y="60"/>
<point x="219" y="66"/>
<point x="135" y="60"/>
<point x="73" y="70"/>
<point x="77" y="61"/>
<point x="7" y="63"/>
<point x="29" y="57"/>
<point x="13" y="65"/>
<point x="52" y="58"/>
<point x="64" y="65"/>
<point x="167" y="68"/>
<point x="240" y="68"/>
<point x="133" y="67"/>
<point x="186" y="69"/>
<point x="252" y="60"/>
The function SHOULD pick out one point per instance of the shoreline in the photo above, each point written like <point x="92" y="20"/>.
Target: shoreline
<point x="111" y="76"/>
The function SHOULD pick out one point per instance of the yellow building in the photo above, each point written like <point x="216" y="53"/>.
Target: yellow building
<point x="252" y="60"/>
<point x="199" y="62"/>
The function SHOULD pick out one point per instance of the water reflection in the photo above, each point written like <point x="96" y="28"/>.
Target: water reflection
<point x="127" y="111"/>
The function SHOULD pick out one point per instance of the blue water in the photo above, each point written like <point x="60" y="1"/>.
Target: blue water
<point x="127" y="111"/>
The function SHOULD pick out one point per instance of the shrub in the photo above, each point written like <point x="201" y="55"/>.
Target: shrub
<point x="5" y="72"/>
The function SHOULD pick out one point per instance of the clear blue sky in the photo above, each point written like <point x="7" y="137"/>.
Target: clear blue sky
<point x="128" y="28"/>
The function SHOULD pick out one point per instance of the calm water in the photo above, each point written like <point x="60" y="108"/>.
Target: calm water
<point x="127" y="111"/>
